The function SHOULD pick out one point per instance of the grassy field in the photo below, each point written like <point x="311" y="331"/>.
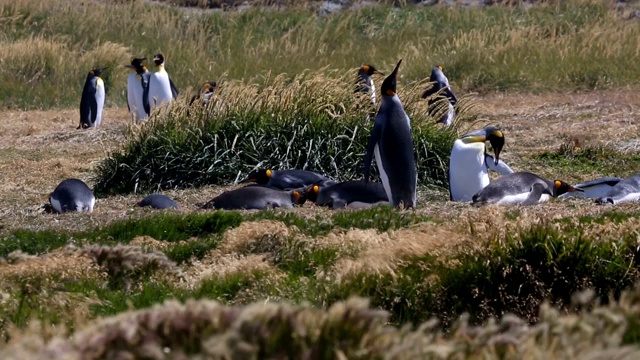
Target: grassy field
<point x="555" y="280"/>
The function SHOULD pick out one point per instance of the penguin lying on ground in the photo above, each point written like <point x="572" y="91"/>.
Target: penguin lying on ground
<point x="256" y="197"/>
<point x="347" y="194"/>
<point x="158" y="201"/>
<point x="521" y="188"/>
<point x="626" y="190"/>
<point x="469" y="163"/>
<point x="138" y="90"/>
<point x="92" y="101"/>
<point x="442" y="90"/>
<point x="72" y="195"/>
<point x="161" y="87"/>
<point x="391" y="142"/>
<point x="594" y="189"/>
<point x="287" y="179"/>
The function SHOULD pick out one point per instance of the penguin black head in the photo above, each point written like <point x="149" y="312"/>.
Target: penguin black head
<point x="370" y="70"/>
<point x="299" y="197"/>
<point x="496" y="139"/>
<point x="389" y="84"/>
<point x="97" y="72"/>
<point x="158" y="59"/>
<point x="312" y="192"/>
<point x="560" y="187"/>
<point x="258" y="176"/>
<point x="208" y="87"/>
<point x="136" y="64"/>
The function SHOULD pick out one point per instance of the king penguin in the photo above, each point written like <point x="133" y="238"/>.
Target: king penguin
<point x="626" y="190"/>
<point x="161" y="87"/>
<point x="595" y="188"/>
<point x="287" y="179"/>
<point x="92" y="101"/>
<point x="138" y="90"/>
<point x="442" y="90"/>
<point x="364" y="82"/>
<point x="521" y="188"/>
<point x="158" y="201"/>
<point x="72" y="195"/>
<point x="205" y="93"/>
<point x="392" y="144"/>
<point x="256" y="198"/>
<point x="343" y="194"/>
<point x="469" y="163"/>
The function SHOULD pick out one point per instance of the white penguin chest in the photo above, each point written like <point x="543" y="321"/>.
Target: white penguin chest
<point x="468" y="173"/>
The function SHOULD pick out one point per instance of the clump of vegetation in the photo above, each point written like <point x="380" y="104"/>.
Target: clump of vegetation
<point x="349" y="329"/>
<point x="308" y="122"/>
<point x="126" y="265"/>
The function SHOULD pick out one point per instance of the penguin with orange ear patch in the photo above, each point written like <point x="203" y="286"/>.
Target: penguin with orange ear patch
<point x="287" y="179"/>
<point x="341" y="195"/>
<point x="364" y="83"/>
<point x="256" y="197"/>
<point x="391" y="142"/>
<point x="521" y="188"/>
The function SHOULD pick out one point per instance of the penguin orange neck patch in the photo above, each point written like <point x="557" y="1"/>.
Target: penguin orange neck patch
<point x="391" y="92"/>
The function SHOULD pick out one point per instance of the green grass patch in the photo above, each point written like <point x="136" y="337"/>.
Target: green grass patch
<point x="574" y="159"/>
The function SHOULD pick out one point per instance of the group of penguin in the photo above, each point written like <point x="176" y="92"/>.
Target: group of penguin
<point x="391" y="144"/>
<point x="145" y="91"/>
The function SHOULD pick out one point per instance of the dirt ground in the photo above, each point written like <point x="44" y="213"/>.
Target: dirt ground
<point x="38" y="149"/>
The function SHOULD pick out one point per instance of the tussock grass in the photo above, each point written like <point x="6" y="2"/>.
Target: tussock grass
<point x="49" y="46"/>
<point x="309" y="122"/>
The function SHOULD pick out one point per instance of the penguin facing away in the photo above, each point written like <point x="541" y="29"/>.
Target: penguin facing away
<point x="469" y="163"/>
<point x="161" y="87"/>
<point x="138" y="90"/>
<point x="442" y="90"/>
<point x="287" y="179"/>
<point x="158" y="201"/>
<point x="72" y="195"/>
<point x="344" y="194"/>
<point x="521" y="188"/>
<point x="92" y="101"/>
<point x="256" y="198"/>
<point x="392" y="144"/>
<point x="594" y="189"/>
<point x="626" y="190"/>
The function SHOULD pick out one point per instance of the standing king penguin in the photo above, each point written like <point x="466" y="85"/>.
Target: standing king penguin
<point x="364" y="83"/>
<point x="138" y="89"/>
<point x="161" y="87"/>
<point x="92" y="101"/>
<point x="469" y="163"/>
<point x="391" y="142"/>
<point x="442" y="90"/>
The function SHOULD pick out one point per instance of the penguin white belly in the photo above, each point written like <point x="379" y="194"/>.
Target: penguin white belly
<point x="449" y="116"/>
<point x="159" y="89"/>
<point x="635" y="196"/>
<point x="520" y="198"/>
<point x="55" y="204"/>
<point x="99" y="100"/>
<point x="373" y="92"/>
<point x="467" y="171"/>
<point x="383" y="174"/>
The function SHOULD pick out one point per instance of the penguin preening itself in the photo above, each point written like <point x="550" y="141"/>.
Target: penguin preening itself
<point x="344" y="194"/>
<point x="158" y="201"/>
<point x="364" y="83"/>
<point x="92" y="101"/>
<point x="442" y="90"/>
<point x="287" y="179"/>
<point x="72" y="195"/>
<point x="138" y="90"/>
<point x="595" y="188"/>
<point x="205" y="93"/>
<point x="392" y="144"/>
<point x="161" y="87"/>
<point x="469" y="162"/>
<point x="256" y="198"/>
<point x="521" y="188"/>
<point x="626" y="190"/>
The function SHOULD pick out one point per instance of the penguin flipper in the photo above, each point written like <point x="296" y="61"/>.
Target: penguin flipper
<point x="451" y="96"/>
<point x="174" y="89"/>
<point x="144" y="80"/>
<point x="430" y="91"/>
<point x="373" y="140"/>
<point x="502" y="168"/>
<point x="534" y="195"/>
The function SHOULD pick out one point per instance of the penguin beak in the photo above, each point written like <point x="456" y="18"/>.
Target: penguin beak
<point x="572" y="189"/>
<point x="395" y="71"/>
<point x="378" y="72"/>
<point x="497" y="143"/>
